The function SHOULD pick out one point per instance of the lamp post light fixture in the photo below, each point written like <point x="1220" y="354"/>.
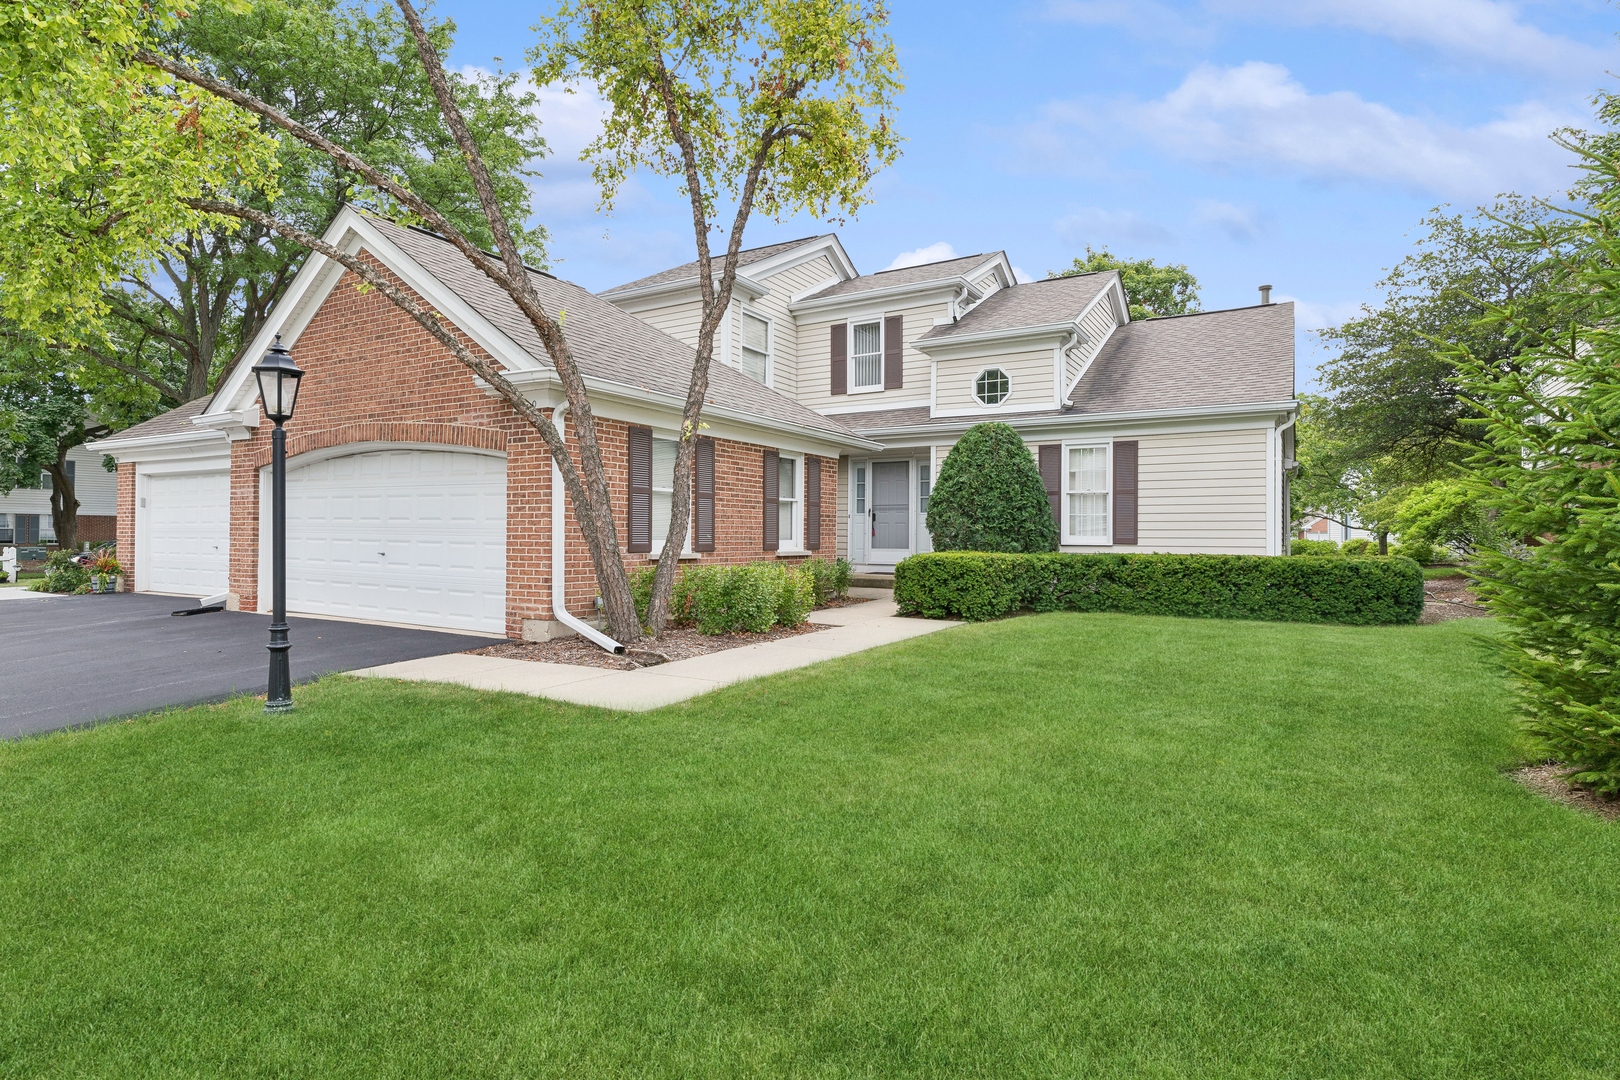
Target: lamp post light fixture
<point x="278" y="391"/>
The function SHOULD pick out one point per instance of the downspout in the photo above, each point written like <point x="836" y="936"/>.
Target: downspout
<point x="559" y="559"/>
<point x="1284" y="518"/>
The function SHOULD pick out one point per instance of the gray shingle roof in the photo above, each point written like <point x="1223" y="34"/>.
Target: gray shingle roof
<point x="176" y="420"/>
<point x="1033" y="303"/>
<point x="1235" y="357"/>
<point x="609" y="343"/>
<point x="907" y="275"/>
<point x="688" y="271"/>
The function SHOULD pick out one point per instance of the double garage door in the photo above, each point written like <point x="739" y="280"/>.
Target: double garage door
<point x="406" y="536"/>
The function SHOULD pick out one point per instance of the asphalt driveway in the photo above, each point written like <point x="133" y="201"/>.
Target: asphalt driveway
<point x="70" y="660"/>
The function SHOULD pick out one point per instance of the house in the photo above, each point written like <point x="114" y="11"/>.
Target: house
<point x="25" y="514"/>
<point x="1318" y="527"/>
<point x="416" y="496"/>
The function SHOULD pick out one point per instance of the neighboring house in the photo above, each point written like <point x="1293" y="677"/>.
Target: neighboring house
<point x="1314" y="527"/>
<point x="25" y="514"/>
<point x="416" y="496"/>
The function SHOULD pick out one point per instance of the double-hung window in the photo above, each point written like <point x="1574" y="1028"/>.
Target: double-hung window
<point x="787" y="504"/>
<point x="1085" y="495"/>
<point x="866" y="356"/>
<point x="663" y="489"/>
<point x="756" y="348"/>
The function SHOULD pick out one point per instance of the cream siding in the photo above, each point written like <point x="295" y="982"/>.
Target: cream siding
<point x="1030" y="371"/>
<point x="842" y="551"/>
<point x="1203" y="492"/>
<point x="988" y="285"/>
<point x="815" y="359"/>
<point x="680" y="320"/>
<point x="1098" y="323"/>
<point x="784" y="330"/>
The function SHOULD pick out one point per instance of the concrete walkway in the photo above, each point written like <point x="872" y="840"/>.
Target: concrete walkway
<point x="851" y="630"/>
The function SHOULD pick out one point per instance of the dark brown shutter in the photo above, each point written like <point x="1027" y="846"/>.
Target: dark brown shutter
<point x="894" y="352"/>
<point x="772" y="501"/>
<point x="640" y="490"/>
<point x="1125" y="492"/>
<point x="840" y="358"/>
<point x="812" y="503"/>
<point x="1052" y="480"/>
<point x="703" y="533"/>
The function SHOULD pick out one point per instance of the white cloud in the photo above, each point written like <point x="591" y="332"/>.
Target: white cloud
<point x="1313" y="315"/>
<point x="1022" y="276"/>
<point x="1237" y="222"/>
<point x="1098" y="227"/>
<point x="569" y="121"/>
<point x="1488" y="30"/>
<point x="932" y="253"/>
<point x="1257" y="116"/>
<point x="1485" y="30"/>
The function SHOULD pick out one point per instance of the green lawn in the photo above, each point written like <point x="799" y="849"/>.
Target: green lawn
<point x="1090" y="846"/>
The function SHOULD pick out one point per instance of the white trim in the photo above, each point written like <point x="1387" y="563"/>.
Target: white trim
<point x="867" y="297"/>
<point x="826" y="283"/>
<point x="1069" y="539"/>
<point x="985" y="406"/>
<point x="798" y="503"/>
<point x="849" y="332"/>
<point x="812" y="248"/>
<point x="1071" y="419"/>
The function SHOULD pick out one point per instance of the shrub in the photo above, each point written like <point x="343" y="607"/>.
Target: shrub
<point x="724" y="599"/>
<point x="1419" y="551"/>
<point x="641" y="587"/>
<point x="797" y="596"/>
<point x="831" y="577"/>
<point x="63" y="575"/>
<point x="975" y="585"/>
<point x="989" y="496"/>
<point x="1312" y="547"/>
<point x="1358" y="547"/>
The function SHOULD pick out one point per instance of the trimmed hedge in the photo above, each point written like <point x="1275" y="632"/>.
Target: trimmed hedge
<point x="1320" y="589"/>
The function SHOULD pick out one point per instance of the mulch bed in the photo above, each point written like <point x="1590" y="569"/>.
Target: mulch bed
<point x="1548" y="780"/>
<point x="674" y="645"/>
<point x="1450" y="598"/>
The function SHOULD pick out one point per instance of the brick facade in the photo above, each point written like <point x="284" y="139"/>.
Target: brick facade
<point x="372" y="375"/>
<point x="126" y="522"/>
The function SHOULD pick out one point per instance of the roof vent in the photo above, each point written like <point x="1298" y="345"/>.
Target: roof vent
<point x="1265" y="295"/>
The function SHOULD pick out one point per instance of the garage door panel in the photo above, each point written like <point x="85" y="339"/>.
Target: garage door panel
<point x="416" y="536"/>
<point x="188" y="532"/>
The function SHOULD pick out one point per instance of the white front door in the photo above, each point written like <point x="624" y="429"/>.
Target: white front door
<point x="406" y="536"/>
<point x="187" y="531"/>
<point x="890" y="516"/>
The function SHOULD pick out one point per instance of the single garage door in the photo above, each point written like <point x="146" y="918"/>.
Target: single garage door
<point x="188" y="531"/>
<point x="406" y="536"/>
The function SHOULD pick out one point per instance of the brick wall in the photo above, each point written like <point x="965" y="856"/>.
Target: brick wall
<point x="374" y="375"/>
<point x="126" y="521"/>
<point x="97" y="528"/>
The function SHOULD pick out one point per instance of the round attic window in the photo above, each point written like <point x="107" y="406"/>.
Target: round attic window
<point x="992" y="386"/>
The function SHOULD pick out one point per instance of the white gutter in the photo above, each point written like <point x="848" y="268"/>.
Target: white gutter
<point x="559" y="561"/>
<point x="945" y="424"/>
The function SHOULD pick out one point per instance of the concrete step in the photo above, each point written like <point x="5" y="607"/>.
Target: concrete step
<point x="872" y="581"/>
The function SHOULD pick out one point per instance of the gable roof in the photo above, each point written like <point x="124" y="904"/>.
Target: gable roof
<point x="1234" y="357"/>
<point x="1032" y="303"/>
<point x="906" y="275"/>
<point x="609" y="343"/>
<point x="176" y="421"/>
<point x="689" y="271"/>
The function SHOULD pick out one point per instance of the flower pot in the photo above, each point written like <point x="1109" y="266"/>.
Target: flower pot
<point x="95" y="583"/>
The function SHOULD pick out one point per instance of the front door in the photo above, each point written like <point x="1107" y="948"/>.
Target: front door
<point x="891" y="511"/>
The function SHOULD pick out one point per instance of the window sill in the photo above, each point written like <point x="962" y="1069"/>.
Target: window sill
<point x="793" y="553"/>
<point x="866" y="389"/>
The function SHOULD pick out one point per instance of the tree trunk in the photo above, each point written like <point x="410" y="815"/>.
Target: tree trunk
<point x="1383" y="542"/>
<point x="64" y="502"/>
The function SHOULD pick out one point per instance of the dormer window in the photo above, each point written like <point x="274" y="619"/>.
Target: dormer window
<point x="866" y="356"/>
<point x="756" y="347"/>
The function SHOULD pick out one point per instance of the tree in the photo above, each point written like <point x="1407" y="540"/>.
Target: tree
<point x="1151" y="290"/>
<point x="348" y="71"/>
<point x="43" y="415"/>
<point x="1546" y="465"/>
<point x="989" y="496"/>
<point x="776" y="107"/>
<point x="1394" y="383"/>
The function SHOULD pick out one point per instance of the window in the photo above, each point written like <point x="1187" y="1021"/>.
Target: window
<point x="787" y="503"/>
<point x="860" y="489"/>
<point x="866" y="356"/>
<point x="992" y="386"/>
<point x="924" y="469"/>
<point x="756" y="347"/>
<point x="1085" y="495"/>
<point x="663" y="489"/>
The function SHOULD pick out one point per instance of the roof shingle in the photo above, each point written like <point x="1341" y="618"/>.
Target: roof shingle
<point x="1032" y="303"/>
<point x="689" y="271"/>
<point x="906" y="275"/>
<point x="173" y="422"/>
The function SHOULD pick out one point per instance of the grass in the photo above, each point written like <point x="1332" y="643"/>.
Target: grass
<point x="1432" y="572"/>
<point x="1068" y="845"/>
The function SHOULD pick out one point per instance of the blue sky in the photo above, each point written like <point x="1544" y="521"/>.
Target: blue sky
<point x="1289" y="142"/>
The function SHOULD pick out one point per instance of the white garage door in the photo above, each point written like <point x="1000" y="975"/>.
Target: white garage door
<point x="408" y="536"/>
<point x="188" y="532"/>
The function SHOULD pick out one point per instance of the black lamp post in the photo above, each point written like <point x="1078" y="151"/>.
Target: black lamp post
<point x="278" y="390"/>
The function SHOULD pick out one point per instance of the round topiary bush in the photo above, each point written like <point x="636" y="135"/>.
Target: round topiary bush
<point x="989" y="496"/>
